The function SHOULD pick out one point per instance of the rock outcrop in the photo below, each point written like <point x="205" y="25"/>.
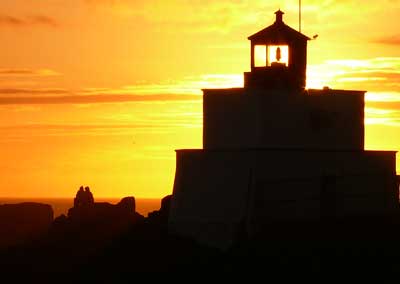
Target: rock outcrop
<point x="86" y="210"/>
<point x="160" y="217"/>
<point x="92" y="224"/>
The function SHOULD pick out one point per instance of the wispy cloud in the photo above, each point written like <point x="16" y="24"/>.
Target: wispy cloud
<point x="382" y="114"/>
<point x="382" y="108"/>
<point x="90" y="99"/>
<point x="6" y="92"/>
<point x="27" y="21"/>
<point x="28" y="72"/>
<point x="187" y="89"/>
<point x="188" y="85"/>
<point x="387" y="106"/>
<point x="43" y="20"/>
<point x="69" y="127"/>
<point x="375" y="74"/>
<point x="227" y="16"/>
<point x="216" y="16"/>
<point x="389" y="40"/>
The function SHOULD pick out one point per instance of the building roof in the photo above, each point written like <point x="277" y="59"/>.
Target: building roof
<point x="278" y="32"/>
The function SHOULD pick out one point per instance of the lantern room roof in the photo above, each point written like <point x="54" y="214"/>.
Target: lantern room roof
<point x="278" y="32"/>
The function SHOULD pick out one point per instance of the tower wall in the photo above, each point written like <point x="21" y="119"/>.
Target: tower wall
<point x="283" y="119"/>
<point x="216" y="192"/>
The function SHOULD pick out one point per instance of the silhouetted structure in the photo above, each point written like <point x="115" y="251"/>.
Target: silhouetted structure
<point x="275" y="151"/>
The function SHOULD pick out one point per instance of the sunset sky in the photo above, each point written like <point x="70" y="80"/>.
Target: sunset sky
<point x="101" y="92"/>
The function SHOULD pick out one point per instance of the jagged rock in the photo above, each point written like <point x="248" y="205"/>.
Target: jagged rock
<point x="104" y="211"/>
<point x="99" y="221"/>
<point x="161" y="216"/>
<point x="127" y="204"/>
<point x="86" y="210"/>
<point x="23" y="222"/>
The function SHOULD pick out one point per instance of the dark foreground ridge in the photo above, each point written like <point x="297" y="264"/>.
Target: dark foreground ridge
<point x="22" y="222"/>
<point x="110" y="243"/>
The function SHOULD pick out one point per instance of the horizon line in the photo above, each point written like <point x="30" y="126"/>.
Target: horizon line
<point x="61" y="197"/>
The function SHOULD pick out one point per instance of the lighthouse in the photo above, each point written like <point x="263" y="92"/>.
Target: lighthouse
<point x="275" y="151"/>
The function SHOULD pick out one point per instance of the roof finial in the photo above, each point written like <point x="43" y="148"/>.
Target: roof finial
<point x="279" y="15"/>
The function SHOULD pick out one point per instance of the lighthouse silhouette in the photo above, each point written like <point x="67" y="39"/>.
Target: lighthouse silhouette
<point x="275" y="151"/>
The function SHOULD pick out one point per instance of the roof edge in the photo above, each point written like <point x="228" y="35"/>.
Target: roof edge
<point x="299" y="34"/>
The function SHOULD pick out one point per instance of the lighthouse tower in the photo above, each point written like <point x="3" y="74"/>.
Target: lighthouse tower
<point x="278" y="57"/>
<point x="274" y="151"/>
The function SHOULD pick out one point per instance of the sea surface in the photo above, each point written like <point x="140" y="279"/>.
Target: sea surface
<point x="61" y="205"/>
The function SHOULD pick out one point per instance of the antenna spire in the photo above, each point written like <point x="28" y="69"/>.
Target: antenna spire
<point x="300" y="16"/>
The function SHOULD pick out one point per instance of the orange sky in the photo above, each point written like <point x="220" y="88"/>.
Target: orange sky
<point x="101" y="92"/>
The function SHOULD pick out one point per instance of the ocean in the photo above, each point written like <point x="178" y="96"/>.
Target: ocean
<point x="61" y="205"/>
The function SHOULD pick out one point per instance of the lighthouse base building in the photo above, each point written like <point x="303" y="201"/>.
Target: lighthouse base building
<point x="274" y="151"/>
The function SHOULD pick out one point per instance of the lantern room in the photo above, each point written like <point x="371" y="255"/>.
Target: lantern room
<point x="278" y="57"/>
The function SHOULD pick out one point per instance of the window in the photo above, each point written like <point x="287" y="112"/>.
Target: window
<point x="278" y="54"/>
<point x="260" y="55"/>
